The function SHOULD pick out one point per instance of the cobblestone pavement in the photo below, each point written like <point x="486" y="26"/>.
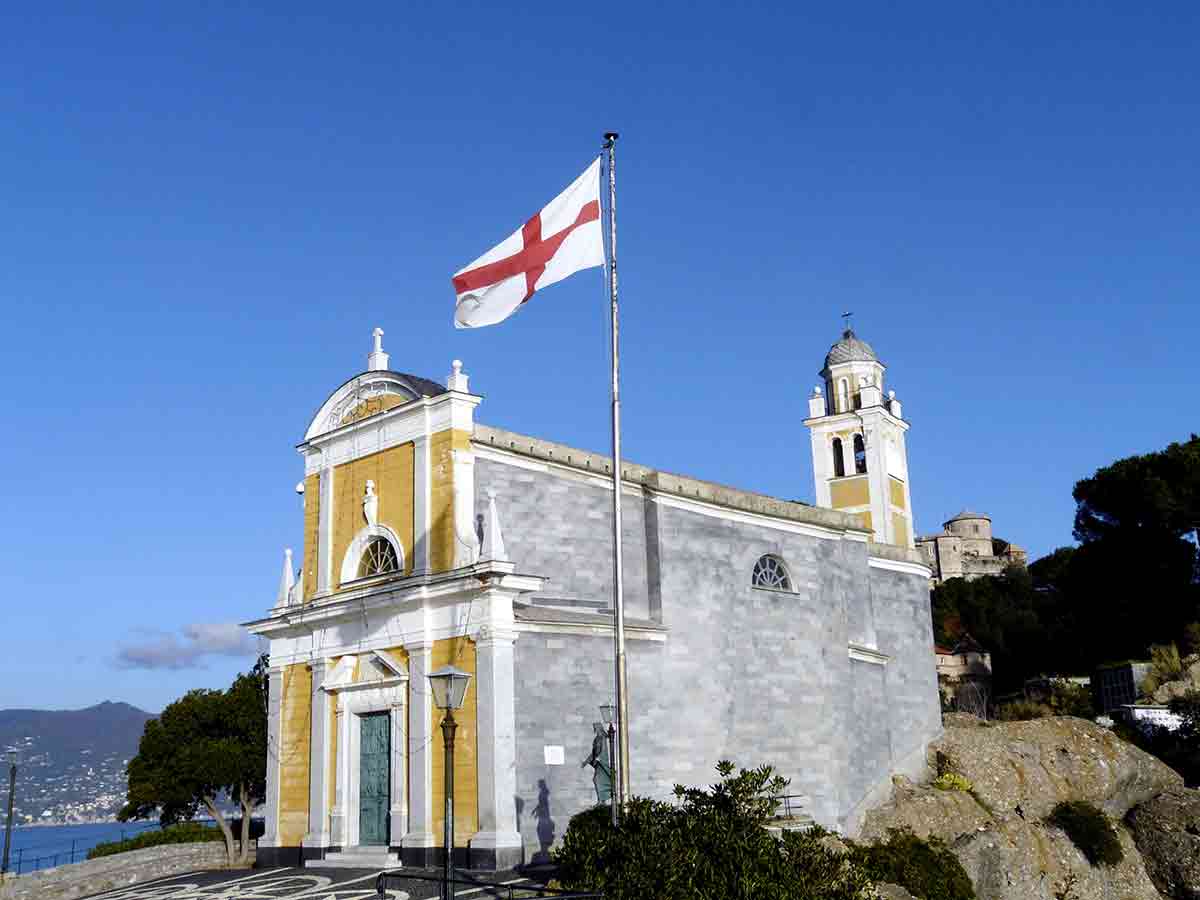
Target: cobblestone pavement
<point x="293" y="884"/>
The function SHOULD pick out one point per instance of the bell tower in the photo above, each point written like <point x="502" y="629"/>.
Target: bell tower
<point x="860" y="462"/>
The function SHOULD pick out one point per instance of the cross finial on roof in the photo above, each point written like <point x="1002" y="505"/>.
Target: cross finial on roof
<point x="846" y="319"/>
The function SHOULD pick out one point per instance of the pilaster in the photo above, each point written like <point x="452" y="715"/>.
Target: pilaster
<point x="320" y="750"/>
<point x="270" y="836"/>
<point x="337" y="815"/>
<point x="418" y="847"/>
<point x="497" y="844"/>
<point x="399" y="808"/>
<point x="421" y="503"/>
<point x="325" y="533"/>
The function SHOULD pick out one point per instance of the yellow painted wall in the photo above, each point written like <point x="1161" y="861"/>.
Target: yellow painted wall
<point x="847" y="492"/>
<point x="458" y="652"/>
<point x="372" y="406"/>
<point x="441" y="496"/>
<point x="896" y="488"/>
<point x="866" y="520"/>
<point x="294" y="739"/>
<point x="392" y="472"/>
<point x="900" y="530"/>
<point x="312" y="509"/>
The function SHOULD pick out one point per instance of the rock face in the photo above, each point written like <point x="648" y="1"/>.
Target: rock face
<point x="1189" y="683"/>
<point x="1019" y="772"/>
<point x="1167" y="833"/>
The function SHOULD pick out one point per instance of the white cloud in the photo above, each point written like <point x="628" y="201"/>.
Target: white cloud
<point x="163" y="650"/>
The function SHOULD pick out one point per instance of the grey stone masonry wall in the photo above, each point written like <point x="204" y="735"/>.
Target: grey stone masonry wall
<point x="718" y="668"/>
<point x="94" y="876"/>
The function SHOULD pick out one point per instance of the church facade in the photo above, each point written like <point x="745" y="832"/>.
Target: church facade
<point x="758" y="630"/>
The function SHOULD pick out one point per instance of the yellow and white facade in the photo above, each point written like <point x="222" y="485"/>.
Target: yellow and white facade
<point x="394" y="583"/>
<point x="860" y="460"/>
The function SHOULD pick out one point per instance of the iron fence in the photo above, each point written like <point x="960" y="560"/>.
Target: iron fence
<point x="789" y="806"/>
<point x="511" y="890"/>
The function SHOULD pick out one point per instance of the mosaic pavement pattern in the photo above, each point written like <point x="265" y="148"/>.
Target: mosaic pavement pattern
<point x="286" y="884"/>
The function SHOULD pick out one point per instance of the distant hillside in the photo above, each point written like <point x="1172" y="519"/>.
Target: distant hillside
<point x="72" y="761"/>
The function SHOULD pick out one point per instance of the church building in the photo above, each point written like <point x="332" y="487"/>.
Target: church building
<point x="759" y="630"/>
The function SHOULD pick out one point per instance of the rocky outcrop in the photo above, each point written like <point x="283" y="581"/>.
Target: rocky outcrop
<point x="1167" y="833"/>
<point x="1187" y="684"/>
<point x="1019" y="771"/>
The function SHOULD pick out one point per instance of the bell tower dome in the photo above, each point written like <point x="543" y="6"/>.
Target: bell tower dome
<point x="860" y="462"/>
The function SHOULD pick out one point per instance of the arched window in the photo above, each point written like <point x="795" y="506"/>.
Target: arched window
<point x="769" y="572"/>
<point x="843" y="395"/>
<point x="839" y="460"/>
<point x="378" y="558"/>
<point x="860" y="454"/>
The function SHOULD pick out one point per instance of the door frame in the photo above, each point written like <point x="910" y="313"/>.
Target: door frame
<point x="354" y="700"/>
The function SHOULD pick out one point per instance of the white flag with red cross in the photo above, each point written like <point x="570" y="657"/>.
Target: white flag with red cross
<point x="562" y="239"/>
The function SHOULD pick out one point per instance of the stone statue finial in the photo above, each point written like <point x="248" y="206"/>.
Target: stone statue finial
<point x="493" y="538"/>
<point x="370" y="504"/>
<point x="377" y="360"/>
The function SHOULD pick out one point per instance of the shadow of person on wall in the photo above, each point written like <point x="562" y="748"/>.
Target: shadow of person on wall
<point x="545" y="824"/>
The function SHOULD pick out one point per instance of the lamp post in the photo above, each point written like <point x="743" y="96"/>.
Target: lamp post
<point x="608" y="715"/>
<point x="12" y="790"/>
<point x="449" y="686"/>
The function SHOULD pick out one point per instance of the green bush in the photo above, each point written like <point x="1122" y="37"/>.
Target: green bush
<point x="186" y="833"/>
<point x="1090" y="830"/>
<point x="926" y="868"/>
<point x="708" y="845"/>
<point x="952" y="781"/>
<point x="1021" y="710"/>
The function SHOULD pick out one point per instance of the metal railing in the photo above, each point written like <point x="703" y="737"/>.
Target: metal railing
<point x="790" y="806"/>
<point x="23" y="859"/>
<point x="512" y="890"/>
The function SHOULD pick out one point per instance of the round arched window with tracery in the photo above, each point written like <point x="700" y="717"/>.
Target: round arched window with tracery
<point x="769" y="572"/>
<point x="378" y="558"/>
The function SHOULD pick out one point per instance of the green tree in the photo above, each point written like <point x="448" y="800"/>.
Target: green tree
<point x="204" y="744"/>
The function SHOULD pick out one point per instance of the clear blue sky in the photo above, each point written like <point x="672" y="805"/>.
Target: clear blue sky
<point x="204" y="209"/>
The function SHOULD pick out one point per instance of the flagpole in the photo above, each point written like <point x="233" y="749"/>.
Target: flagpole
<point x="622" y="793"/>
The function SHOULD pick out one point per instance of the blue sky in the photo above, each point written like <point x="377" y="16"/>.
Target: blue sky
<point x="205" y="208"/>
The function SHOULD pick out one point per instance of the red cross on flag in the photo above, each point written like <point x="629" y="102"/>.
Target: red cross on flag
<point x="559" y="241"/>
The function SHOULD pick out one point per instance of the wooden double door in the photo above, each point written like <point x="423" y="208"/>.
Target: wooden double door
<point x="374" y="778"/>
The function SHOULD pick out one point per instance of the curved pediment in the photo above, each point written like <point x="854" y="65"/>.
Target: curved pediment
<point x="369" y="394"/>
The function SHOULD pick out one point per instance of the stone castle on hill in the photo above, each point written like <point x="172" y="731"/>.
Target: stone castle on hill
<point x="759" y="630"/>
<point x="965" y="548"/>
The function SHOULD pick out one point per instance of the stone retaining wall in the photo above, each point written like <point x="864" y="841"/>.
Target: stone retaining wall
<point x="118" y="871"/>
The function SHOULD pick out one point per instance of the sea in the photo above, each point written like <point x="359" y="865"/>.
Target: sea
<point x="43" y="846"/>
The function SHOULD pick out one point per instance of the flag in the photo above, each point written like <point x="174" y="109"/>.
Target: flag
<point x="560" y="240"/>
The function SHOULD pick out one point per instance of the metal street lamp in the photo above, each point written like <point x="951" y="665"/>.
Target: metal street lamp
<point x="608" y="715"/>
<point x="449" y="686"/>
<point x="13" y="757"/>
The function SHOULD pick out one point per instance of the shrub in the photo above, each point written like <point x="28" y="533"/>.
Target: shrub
<point x="926" y="868"/>
<point x="709" y="844"/>
<point x="185" y="833"/>
<point x="1165" y="665"/>
<point x="952" y="781"/>
<point x="1020" y="710"/>
<point x="1067" y="699"/>
<point x="1090" y="830"/>
<point x="1191" y="638"/>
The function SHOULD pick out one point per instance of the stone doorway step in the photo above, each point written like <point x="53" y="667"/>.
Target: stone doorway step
<point x="357" y="858"/>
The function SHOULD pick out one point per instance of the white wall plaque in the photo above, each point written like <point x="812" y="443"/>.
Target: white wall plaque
<point x="554" y="755"/>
